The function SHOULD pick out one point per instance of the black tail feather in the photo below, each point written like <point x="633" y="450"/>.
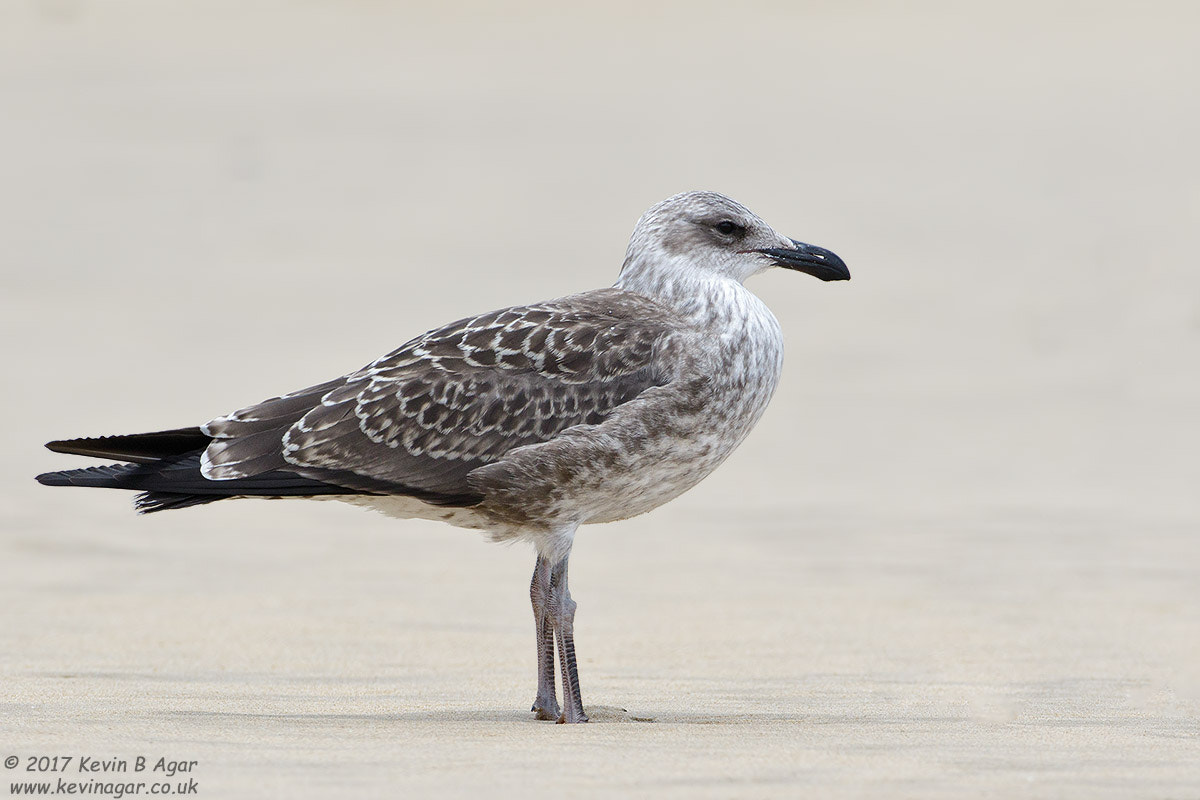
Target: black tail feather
<point x="166" y="470"/>
<point x="149" y="502"/>
<point x="140" y="448"/>
<point x="176" y="482"/>
<point x="107" y="477"/>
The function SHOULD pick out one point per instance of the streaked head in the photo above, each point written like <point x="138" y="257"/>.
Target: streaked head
<point x="708" y="232"/>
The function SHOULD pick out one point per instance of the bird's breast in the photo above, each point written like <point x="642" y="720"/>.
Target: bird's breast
<point x="704" y="415"/>
<point x="726" y="364"/>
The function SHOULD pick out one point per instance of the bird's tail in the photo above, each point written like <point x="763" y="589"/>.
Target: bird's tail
<point x="139" y="448"/>
<point x="165" y="468"/>
<point x="124" y="476"/>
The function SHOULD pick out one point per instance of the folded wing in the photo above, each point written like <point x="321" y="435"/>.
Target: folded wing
<point x="421" y="418"/>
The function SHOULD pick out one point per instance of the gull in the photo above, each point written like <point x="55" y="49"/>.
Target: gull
<point x="525" y="422"/>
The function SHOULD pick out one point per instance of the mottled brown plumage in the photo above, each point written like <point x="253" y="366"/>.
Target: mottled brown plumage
<point x="528" y="421"/>
<point x="457" y="398"/>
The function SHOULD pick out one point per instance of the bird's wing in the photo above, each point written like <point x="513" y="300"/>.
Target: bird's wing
<point x="424" y="416"/>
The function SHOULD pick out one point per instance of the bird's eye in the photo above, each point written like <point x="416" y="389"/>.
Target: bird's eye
<point x="729" y="228"/>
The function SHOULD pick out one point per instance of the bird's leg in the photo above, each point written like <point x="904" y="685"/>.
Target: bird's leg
<point x="545" y="705"/>
<point x="563" y="618"/>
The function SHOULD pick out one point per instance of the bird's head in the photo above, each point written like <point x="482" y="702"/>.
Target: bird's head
<point x="706" y="232"/>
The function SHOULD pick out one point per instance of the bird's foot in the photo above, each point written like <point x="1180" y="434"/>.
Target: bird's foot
<point x="545" y="708"/>
<point x="569" y="716"/>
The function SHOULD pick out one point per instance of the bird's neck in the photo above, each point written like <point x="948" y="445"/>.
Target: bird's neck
<point x="740" y="336"/>
<point x="708" y="299"/>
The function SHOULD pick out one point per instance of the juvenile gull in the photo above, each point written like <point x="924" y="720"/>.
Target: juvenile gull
<point x="525" y="422"/>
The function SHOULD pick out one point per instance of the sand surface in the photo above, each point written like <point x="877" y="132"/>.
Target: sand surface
<point x="959" y="557"/>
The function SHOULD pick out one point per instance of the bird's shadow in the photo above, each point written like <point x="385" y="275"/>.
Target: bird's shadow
<point x="603" y="715"/>
<point x="597" y="714"/>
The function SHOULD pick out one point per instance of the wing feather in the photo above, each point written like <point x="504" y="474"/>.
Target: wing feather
<point x="460" y="397"/>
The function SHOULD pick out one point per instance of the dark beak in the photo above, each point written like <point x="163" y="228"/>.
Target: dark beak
<point x="816" y="261"/>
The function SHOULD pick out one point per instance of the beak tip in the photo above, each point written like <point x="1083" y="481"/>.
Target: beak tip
<point x="812" y="260"/>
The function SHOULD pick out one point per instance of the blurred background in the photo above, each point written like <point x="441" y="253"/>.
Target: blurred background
<point x="203" y="204"/>
<point x="209" y="203"/>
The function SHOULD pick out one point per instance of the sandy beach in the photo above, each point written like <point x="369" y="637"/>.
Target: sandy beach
<point x="959" y="557"/>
